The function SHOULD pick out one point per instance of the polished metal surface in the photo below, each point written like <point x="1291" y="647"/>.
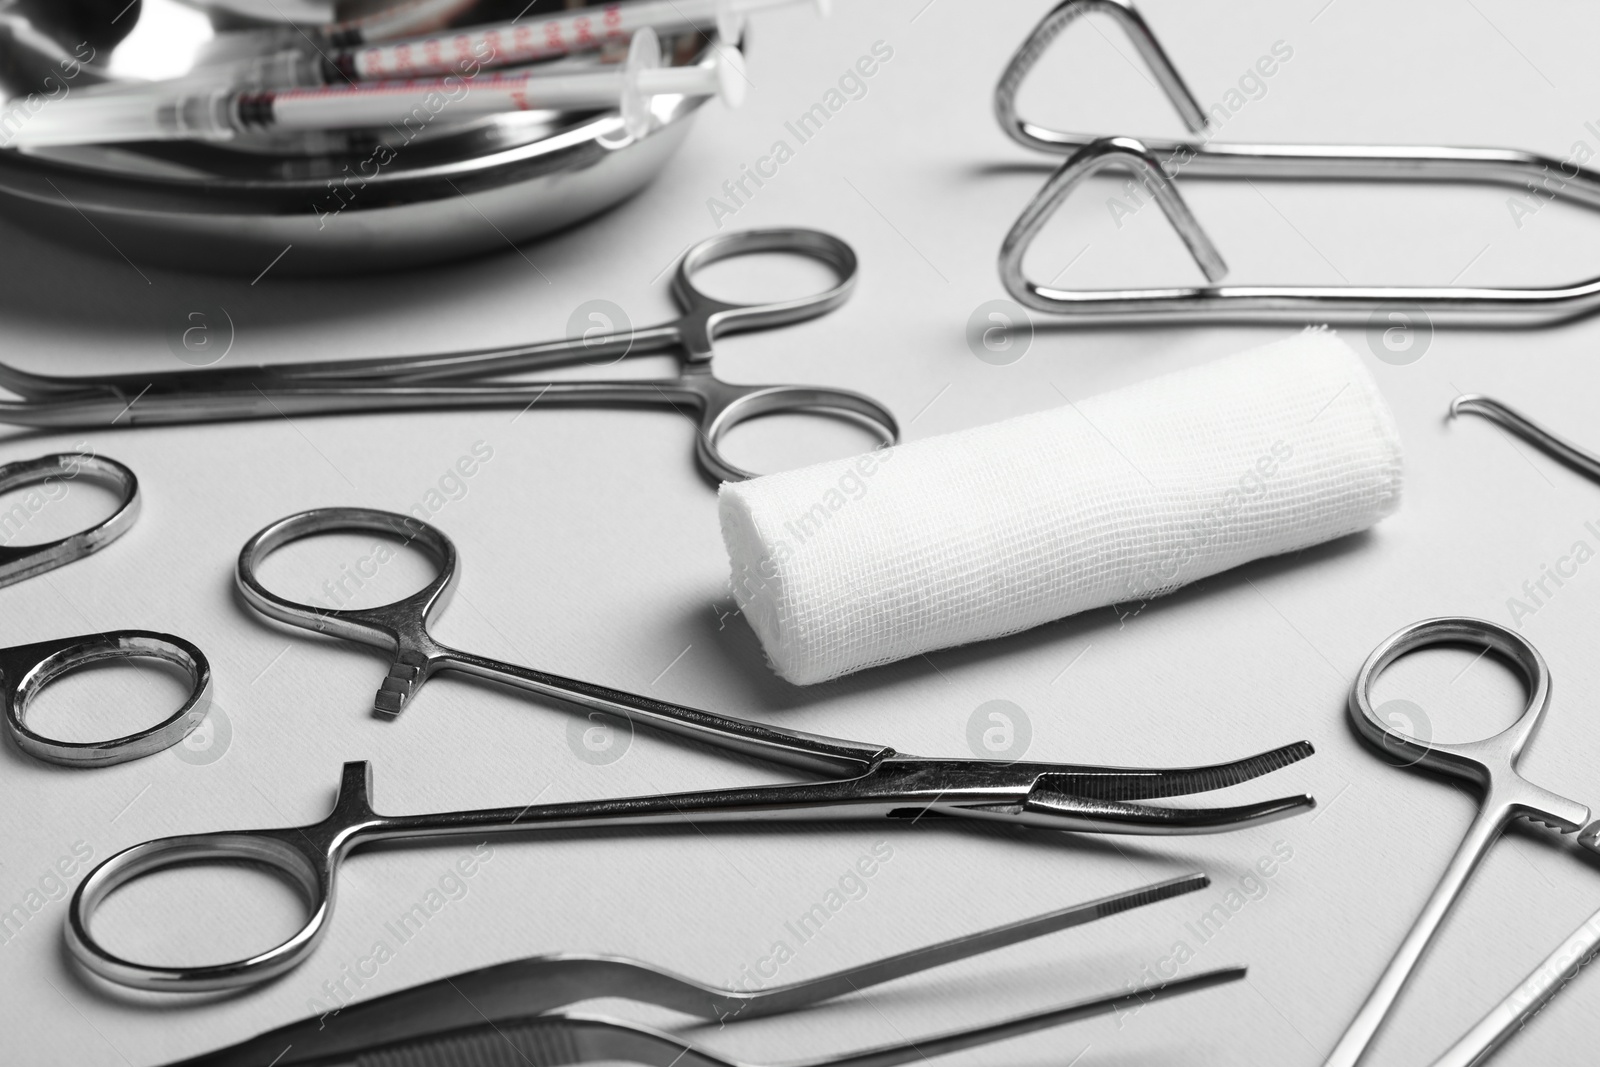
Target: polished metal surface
<point x="434" y="382"/>
<point x="1531" y="995"/>
<point x="1201" y="158"/>
<point x="1490" y="764"/>
<point x="878" y="782"/>
<point x="562" y="1038"/>
<point x="26" y="669"/>
<point x="1519" y="1007"/>
<point x="24" y="561"/>
<point x="340" y="202"/>
<point x="512" y="992"/>
<point x="1579" y="459"/>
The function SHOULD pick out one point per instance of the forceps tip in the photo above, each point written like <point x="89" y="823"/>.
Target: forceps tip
<point x="1293" y="752"/>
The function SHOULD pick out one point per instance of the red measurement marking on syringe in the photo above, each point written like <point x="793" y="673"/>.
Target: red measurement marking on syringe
<point x="553" y="37"/>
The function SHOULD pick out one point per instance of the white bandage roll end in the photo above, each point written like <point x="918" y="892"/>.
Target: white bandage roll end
<point x="1116" y="499"/>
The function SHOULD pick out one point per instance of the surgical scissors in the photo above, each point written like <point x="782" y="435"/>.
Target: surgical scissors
<point x="875" y="781"/>
<point x="19" y="562"/>
<point x="477" y="378"/>
<point x="1491" y="764"/>
<point x="27" y="669"/>
<point x="1156" y="162"/>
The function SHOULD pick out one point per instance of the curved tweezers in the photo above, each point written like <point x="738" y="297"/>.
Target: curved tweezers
<point x="558" y="1039"/>
<point x="1156" y="162"/>
<point x="527" y="987"/>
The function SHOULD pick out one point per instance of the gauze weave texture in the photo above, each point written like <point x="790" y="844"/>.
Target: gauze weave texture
<point x="1116" y="499"/>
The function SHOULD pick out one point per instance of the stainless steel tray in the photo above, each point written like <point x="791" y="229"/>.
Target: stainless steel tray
<point x="349" y="208"/>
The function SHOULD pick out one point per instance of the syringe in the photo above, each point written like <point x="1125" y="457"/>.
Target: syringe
<point x="508" y="44"/>
<point x="147" y="114"/>
<point x="466" y="52"/>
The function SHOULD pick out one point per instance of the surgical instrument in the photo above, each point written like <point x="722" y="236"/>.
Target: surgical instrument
<point x="876" y="783"/>
<point x="1527" y="1000"/>
<point x="1512" y="1013"/>
<point x="543" y="984"/>
<point x="561" y="1038"/>
<point x="26" y="669"/>
<point x="431" y="382"/>
<point x="1559" y="448"/>
<point x="159" y="112"/>
<point x="1491" y="764"/>
<point x="1156" y="162"/>
<point x="18" y="562"/>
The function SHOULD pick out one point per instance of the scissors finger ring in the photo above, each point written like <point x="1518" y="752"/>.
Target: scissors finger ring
<point x="864" y="780"/>
<point x="1491" y="764"/>
<point x="26" y="561"/>
<point x="26" y="669"/>
<point x="493" y="378"/>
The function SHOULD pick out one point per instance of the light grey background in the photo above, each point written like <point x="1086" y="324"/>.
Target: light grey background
<point x="590" y="547"/>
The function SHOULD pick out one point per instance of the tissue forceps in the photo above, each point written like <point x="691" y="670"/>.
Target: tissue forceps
<point x="561" y="1038"/>
<point x="1491" y="764"/>
<point x="510" y="993"/>
<point x="476" y="379"/>
<point x="875" y="781"/>
<point x="1155" y="162"/>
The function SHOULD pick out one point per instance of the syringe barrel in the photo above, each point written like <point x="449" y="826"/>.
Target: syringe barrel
<point x="135" y="115"/>
<point x="402" y="102"/>
<point x="286" y="69"/>
<point x="690" y="81"/>
<point x="198" y="116"/>
<point x="583" y="30"/>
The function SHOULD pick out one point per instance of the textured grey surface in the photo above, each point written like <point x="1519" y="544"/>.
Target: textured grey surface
<point x="590" y="547"/>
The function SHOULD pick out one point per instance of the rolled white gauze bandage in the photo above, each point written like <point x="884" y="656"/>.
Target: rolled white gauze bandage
<point x="1117" y="499"/>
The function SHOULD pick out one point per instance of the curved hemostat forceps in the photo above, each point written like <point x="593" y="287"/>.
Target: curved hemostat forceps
<point x="521" y="999"/>
<point x="872" y="781"/>
<point x="479" y="378"/>
<point x="1154" y="163"/>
